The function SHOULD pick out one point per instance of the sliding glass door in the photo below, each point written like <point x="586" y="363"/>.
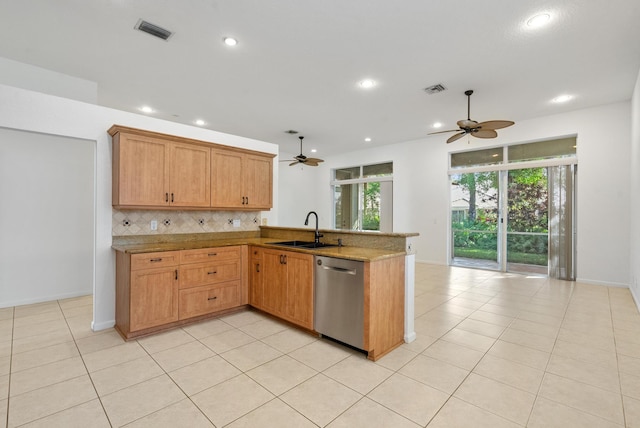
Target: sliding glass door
<point x="474" y="219"/>
<point x="527" y="223"/>
<point x="513" y="208"/>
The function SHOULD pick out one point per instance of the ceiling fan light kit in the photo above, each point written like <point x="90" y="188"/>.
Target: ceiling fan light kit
<point x="471" y="127"/>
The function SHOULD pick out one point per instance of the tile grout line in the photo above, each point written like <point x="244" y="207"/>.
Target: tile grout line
<point x="555" y="341"/>
<point x="86" y="368"/>
<point x="615" y="344"/>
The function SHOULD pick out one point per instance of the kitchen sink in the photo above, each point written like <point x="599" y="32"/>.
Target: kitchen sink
<point x="303" y="244"/>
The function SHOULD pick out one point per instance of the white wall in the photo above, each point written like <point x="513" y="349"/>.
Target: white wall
<point x="635" y="193"/>
<point x="298" y="190"/>
<point x="421" y="188"/>
<point x="46" y="221"/>
<point x="32" y="111"/>
<point x="25" y="76"/>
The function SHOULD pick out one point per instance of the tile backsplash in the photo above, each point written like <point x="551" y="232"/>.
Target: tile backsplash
<point x="138" y="222"/>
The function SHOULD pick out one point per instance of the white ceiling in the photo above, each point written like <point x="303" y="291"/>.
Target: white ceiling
<point x="298" y="62"/>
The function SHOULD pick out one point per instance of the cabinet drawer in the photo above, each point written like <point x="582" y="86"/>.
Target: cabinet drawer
<point x="209" y="273"/>
<point x="210" y="254"/>
<point x="155" y="260"/>
<point x="203" y="300"/>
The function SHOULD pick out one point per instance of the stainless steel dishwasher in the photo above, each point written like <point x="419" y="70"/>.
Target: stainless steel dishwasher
<point x="339" y="300"/>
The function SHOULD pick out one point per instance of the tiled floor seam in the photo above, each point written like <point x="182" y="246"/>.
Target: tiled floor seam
<point x="615" y="345"/>
<point x="75" y="342"/>
<point x="566" y="308"/>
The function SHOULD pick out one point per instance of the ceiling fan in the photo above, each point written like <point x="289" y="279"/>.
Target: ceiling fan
<point x="480" y="130"/>
<point x="302" y="158"/>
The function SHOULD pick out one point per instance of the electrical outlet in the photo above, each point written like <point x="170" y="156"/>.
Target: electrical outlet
<point x="154" y="224"/>
<point x="236" y="222"/>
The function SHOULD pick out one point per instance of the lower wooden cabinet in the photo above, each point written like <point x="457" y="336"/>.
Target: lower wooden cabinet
<point x="154" y="297"/>
<point x="159" y="290"/>
<point x="207" y="299"/>
<point x="282" y="285"/>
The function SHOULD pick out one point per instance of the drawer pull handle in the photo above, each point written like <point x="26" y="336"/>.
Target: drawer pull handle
<point x="212" y="254"/>
<point x="176" y="274"/>
<point x="159" y="259"/>
<point x="212" y="298"/>
<point x="212" y="273"/>
<point x="166" y="197"/>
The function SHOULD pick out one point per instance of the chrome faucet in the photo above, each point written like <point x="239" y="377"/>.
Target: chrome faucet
<point x="318" y="235"/>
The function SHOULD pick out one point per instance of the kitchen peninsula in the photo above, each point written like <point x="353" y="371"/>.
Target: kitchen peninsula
<point x="163" y="281"/>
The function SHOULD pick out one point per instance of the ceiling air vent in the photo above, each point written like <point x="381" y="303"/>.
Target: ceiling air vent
<point x="152" y="29"/>
<point x="435" y="89"/>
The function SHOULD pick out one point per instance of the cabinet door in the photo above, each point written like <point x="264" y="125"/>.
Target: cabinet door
<point x="226" y="179"/>
<point x="299" y="306"/>
<point x="189" y="177"/>
<point x="256" y="291"/>
<point x="154" y="297"/>
<point x="274" y="282"/>
<point x="142" y="172"/>
<point x="258" y="181"/>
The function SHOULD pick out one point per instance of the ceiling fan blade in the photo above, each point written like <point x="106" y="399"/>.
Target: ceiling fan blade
<point x="456" y="137"/>
<point x="495" y="124"/>
<point x="484" y="133"/>
<point x="311" y="163"/>
<point x="287" y="160"/>
<point x="467" y="123"/>
<point x="294" y="163"/>
<point x="442" y="132"/>
<point x="314" y="160"/>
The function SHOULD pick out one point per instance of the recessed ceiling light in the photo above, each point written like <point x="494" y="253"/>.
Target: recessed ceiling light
<point x="146" y="109"/>
<point x="538" y="20"/>
<point x="437" y="125"/>
<point x="367" y="83"/>
<point x="368" y="140"/>
<point x="313" y="150"/>
<point x="200" y="122"/>
<point x="562" y="99"/>
<point x="230" y="41"/>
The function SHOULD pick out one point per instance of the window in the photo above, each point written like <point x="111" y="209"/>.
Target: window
<point x="363" y="197"/>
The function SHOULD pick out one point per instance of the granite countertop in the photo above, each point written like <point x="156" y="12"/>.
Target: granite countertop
<point x="345" y="252"/>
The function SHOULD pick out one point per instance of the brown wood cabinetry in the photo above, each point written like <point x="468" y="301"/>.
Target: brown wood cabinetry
<point x="256" y="290"/>
<point x="152" y="170"/>
<point x="146" y="296"/>
<point x="240" y="180"/>
<point x="383" y="306"/>
<point x="155" y="291"/>
<point x="287" y="286"/>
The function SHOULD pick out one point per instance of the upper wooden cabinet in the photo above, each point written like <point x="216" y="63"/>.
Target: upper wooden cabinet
<point x="153" y="170"/>
<point x="241" y="180"/>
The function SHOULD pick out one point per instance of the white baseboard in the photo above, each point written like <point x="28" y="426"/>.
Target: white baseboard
<point x="603" y="283"/>
<point x="42" y="299"/>
<point x="102" y="325"/>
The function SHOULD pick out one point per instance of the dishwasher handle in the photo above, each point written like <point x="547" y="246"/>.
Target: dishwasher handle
<point x="339" y="269"/>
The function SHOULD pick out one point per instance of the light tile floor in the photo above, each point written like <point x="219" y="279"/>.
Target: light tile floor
<point x="493" y="350"/>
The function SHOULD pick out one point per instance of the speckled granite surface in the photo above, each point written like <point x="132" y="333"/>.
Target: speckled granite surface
<point x="364" y="246"/>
